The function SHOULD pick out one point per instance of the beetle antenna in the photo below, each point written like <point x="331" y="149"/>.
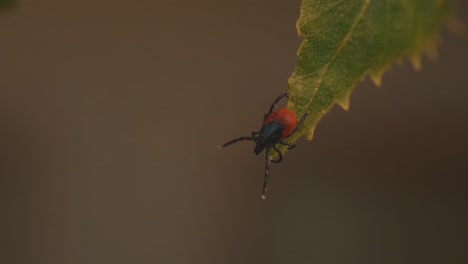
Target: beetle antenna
<point x="265" y="177"/>
<point x="235" y="141"/>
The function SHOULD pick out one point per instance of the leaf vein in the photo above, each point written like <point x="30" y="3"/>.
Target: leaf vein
<point x="340" y="47"/>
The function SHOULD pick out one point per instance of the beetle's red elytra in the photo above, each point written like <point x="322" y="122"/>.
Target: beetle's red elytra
<point x="286" y="118"/>
<point x="277" y="126"/>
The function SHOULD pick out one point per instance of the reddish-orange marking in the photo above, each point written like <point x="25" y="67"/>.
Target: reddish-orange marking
<point x="286" y="118"/>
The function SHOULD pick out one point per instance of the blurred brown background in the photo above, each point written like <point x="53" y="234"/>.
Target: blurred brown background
<point x="111" y="112"/>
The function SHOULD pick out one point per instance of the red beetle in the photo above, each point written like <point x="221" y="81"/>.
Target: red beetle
<point x="277" y="126"/>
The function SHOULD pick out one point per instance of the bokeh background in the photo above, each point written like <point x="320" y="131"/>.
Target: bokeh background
<point x="111" y="113"/>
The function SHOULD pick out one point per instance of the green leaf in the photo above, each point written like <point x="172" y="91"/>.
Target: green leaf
<point x="344" y="40"/>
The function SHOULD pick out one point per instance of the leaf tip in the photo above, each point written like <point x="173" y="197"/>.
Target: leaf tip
<point x="344" y="101"/>
<point x="416" y="62"/>
<point x="376" y="79"/>
<point x="310" y="134"/>
<point x="376" y="75"/>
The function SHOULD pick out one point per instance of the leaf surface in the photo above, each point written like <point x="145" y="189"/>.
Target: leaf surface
<point x="344" y="40"/>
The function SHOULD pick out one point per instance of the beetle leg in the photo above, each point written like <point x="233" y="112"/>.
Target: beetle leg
<point x="255" y="136"/>
<point x="290" y="145"/>
<point x="280" y="155"/>
<point x="298" y="125"/>
<point x="281" y="96"/>
<point x="265" y="176"/>
<point x="235" y="141"/>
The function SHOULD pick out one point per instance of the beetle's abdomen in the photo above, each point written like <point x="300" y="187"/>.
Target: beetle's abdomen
<point x="285" y="118"/>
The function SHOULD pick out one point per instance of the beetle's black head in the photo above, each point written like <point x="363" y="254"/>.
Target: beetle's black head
<point x="269" y="135"/>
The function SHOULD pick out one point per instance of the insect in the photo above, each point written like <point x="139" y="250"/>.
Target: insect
<point x="277" y="126"/>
